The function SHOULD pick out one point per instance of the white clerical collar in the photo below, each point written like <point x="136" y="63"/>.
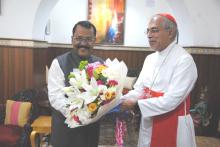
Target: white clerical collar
<point x="167" y="49"/>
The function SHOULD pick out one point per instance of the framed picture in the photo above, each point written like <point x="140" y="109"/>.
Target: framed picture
<point x="108" y="16"/>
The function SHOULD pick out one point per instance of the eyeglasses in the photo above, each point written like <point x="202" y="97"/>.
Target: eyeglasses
<point x="86" y="39"/>
<point x="152" y="30"/>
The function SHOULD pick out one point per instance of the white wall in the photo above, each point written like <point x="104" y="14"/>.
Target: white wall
<point x="17" y="17"/>
<point x="205" y="17"/>
<point x="63" y="17"/>
<point x="137" y="18"/>
<point x="41" y="18"/>
<point x="184" y="20"/>
<point x="198" y="20"/>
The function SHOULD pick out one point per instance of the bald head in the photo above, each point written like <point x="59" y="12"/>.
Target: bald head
<point x="161" y="32"/>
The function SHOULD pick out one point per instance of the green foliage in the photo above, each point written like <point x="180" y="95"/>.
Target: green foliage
<point x="71" y="75"/>
<point x="83" y="64"/>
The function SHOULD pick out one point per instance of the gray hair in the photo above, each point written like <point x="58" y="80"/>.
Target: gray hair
<point x="169" y="25"/>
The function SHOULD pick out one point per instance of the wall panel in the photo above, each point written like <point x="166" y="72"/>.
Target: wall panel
<point x="16" y="70"/>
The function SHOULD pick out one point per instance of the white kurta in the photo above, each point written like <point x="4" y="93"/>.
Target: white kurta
<point x="55" y="87"/>
<point x="173" y="72"/>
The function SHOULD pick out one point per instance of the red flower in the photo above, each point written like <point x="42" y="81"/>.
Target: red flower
<point x="76" y="118"/>
<point x="99" y="82"/>
<point x="89" y="71"/>
<point x="112" y="83"/>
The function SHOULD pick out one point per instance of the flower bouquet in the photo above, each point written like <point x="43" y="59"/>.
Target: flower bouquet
<point x="95" y="89"/>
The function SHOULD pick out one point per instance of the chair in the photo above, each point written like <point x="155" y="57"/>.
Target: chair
<point x="16" y="136"/>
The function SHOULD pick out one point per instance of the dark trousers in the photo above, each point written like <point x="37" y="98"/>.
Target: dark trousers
<point x="63" y="136"/>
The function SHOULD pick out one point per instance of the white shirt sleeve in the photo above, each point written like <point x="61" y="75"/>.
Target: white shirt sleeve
<point x="137" y="92"/>
<point x="55" y="87"/>
<point x="181" y="84"/>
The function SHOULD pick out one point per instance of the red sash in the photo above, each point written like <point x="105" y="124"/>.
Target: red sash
<point x="164" y="129"/>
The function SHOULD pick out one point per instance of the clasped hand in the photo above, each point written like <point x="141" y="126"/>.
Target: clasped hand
<point x="128" y="104"/>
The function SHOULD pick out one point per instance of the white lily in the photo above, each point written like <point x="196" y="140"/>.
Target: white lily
<point x="84" y="115"/>
<point x="91" y="91"/>
<point x="69" y="91"/>
<point x="76" y="103"/>
<point x="69" y="121"/>
<point x="79" y="79"/>
<point x="102" y="88"/>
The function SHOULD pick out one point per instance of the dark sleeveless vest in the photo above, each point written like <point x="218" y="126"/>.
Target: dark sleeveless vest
<point x="62" y="136"/>
<point x="71" y="60"/>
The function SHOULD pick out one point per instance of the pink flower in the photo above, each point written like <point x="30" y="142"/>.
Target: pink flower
<point x="94" y="65"/>
<point x="91" y="67"/>
<point x="112" y="83"/>
<point x="99" y="82"/>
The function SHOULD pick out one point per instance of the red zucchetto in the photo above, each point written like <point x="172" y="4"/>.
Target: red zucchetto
<point x="168" y="16"/>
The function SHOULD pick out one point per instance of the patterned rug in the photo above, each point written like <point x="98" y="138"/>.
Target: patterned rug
<point x="200" y="140"/>
<point x="207" y="141"/>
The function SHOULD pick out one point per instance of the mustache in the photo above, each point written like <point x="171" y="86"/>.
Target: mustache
<point x="83" y="46"/>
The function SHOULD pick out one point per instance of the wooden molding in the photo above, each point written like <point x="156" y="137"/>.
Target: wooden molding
<point x="44" y="44"/>
<point x="23" y="43"/>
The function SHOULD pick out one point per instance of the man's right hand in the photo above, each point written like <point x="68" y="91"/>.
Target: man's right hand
<point x="128" y="104"/>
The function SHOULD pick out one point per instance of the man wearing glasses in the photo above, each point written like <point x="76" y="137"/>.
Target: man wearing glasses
<point x="163" y="88"/>
<point x="83" y="39"/>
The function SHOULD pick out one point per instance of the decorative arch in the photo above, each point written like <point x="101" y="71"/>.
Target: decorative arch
<point x="41" y="18"/>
